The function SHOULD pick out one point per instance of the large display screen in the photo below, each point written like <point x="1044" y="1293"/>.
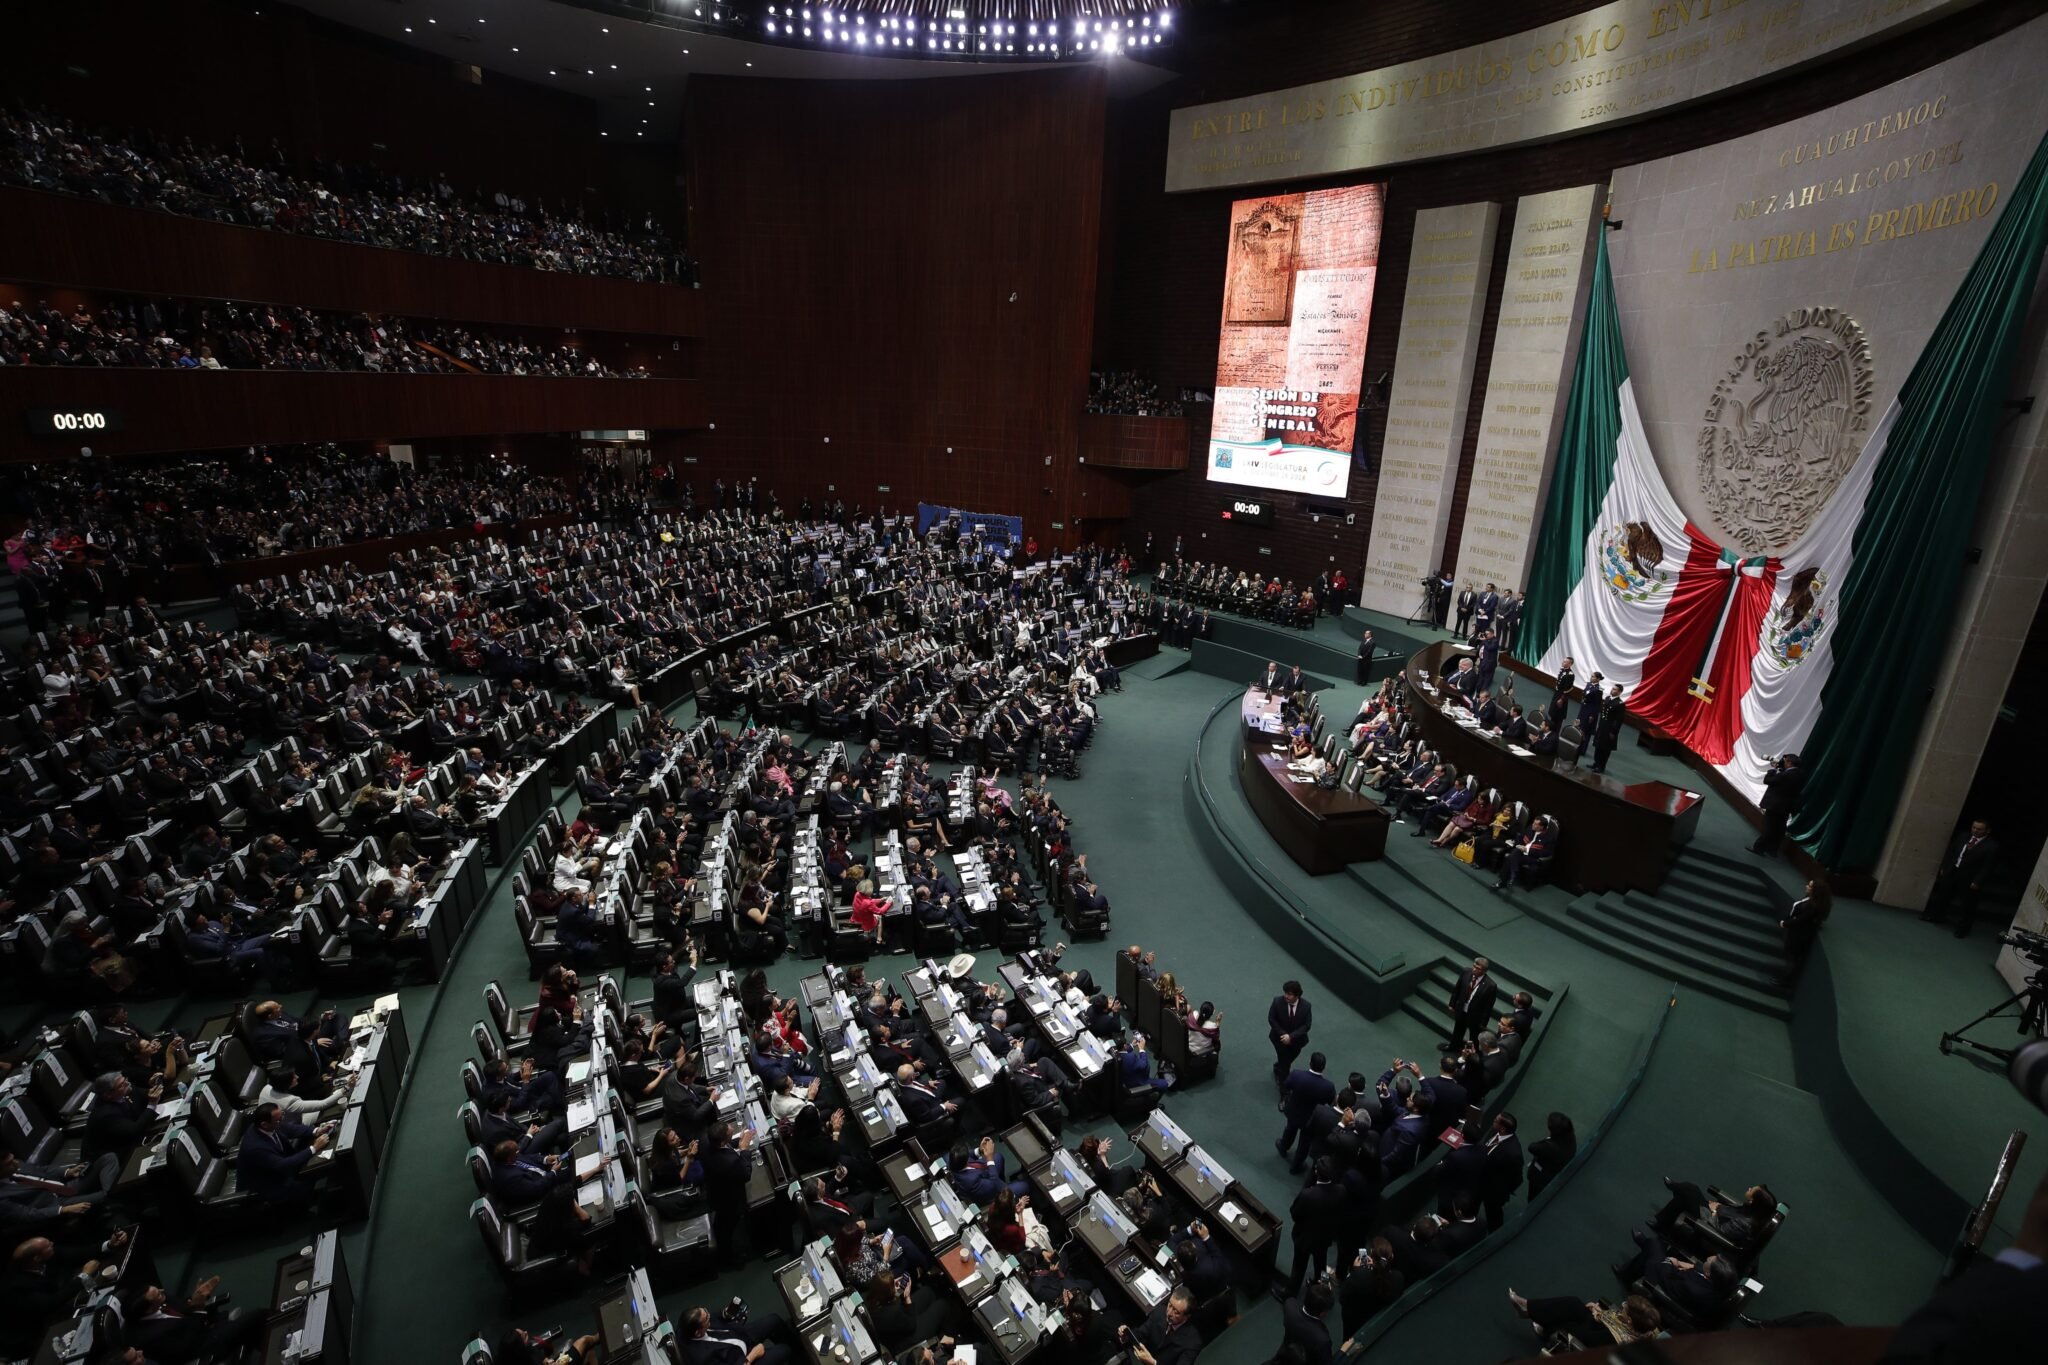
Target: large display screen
<point x="1297" y="296"/>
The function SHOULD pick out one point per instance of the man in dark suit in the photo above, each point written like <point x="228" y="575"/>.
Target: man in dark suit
<point x="1501" y="1175"/>
<point x="1287" y="1024"/>
<point x="1608" y="733"/>
<point x="272" y="1160"/>
<point x="1589" y="716"/>
<point x="1467" y="599"/>
<point x="307" y="1046"/>
<point x="1418" y="798"/>
<point x="1532" y="854"/>
<point x="1963" y="871"/>
<point x="1448" y="1098"/>
<point x="1801" y="925"/>
<point x="1208" y="1271"/>
<point x="673" y="1004"/>
<point x="921" y="1099"/>
<point x="1364" y="674"/>
<point x="757" y="1341"/>
<point x="1462" y="1231"/>
<point x="1462" y="1169"/>
<point x="1472" y="1002"/>
<point x="1300" y="1095"/>
<point x="1269" y="681"/>
<point x="1302" y="1324"/>
<point x="1551" y="1154"/>
<point x="1417" y="1249"/>
<point x="686" y="1106"/>
<point x="1489" y="659"/>
<point x="1484" y="609"/>
<point x="1317" y="1212"/>
<point x="1168" y="1335"/>
<point x="1784" y="781"/>
<point x="1463" y="683"/>
<point x="727" y="1165"/>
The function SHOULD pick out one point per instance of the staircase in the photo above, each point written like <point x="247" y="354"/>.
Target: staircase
<point x="1428" y="1001"/>
<point x="1713" y="925"/>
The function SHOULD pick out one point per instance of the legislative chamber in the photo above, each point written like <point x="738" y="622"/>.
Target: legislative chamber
<point x="1022" y="682"/>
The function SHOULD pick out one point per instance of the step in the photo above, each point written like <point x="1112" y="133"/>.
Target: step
<point x="1774" y="1005"/>
<point x="1749" y="896"/>
<point x="1735" y="929"/>
<point x="1749" y="914"/>
<point x="1689" y="965"/>
<point x="1719" y="870"/>
<point x="1693" y="853"/>
<point x="1762" y="958"/>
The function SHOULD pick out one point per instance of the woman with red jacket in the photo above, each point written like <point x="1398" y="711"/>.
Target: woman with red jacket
<point x="868" y="909"/>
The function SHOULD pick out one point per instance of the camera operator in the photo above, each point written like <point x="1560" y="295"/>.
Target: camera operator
<point x="1784" y="782"/>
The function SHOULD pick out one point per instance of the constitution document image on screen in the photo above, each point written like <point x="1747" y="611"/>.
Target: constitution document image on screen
<point x="1297" y="297"/>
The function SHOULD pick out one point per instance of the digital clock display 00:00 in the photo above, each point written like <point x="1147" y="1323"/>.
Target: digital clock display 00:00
<point x="72" y="421"/>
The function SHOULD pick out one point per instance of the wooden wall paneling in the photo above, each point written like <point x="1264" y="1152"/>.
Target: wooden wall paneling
<point x="911" y="268"/>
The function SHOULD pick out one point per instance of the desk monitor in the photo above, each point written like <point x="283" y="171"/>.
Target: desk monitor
<point x="849" y="1331"/>
<point x="1104" y="1227"/>
<point x="1205" y="1180"/>
<point x="1160" y="1138"/>
<point x="1065" y="1169"/>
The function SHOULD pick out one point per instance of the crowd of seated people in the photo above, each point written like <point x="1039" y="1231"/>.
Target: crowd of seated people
<point x="344" y="203"/>
<point x="1243" y="592"/>
<point x="1130" y="394"/>
<point x="1689" y="1271"/>
<point x="89" y="526"/>
<point x="150" y="843"/>
<point x="187" y="334"/>
<point x="1483" y="827"/>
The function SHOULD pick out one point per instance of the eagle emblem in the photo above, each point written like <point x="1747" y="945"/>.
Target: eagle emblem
<point x="1795" y="625"/>
<point x="1783" y="427"/>
<point x="1631" y="562"/>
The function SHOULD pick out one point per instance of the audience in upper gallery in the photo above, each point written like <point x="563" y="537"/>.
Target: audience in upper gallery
<point x="188" y="334"/>
<point x="346" y="203"/>
<point x="149" y="515"/>
<point x="1128" y="393"/>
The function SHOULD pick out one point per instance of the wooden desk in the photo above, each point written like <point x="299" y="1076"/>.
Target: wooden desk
<point x="1323" y="829"/>
<point x="1615" y="835"/>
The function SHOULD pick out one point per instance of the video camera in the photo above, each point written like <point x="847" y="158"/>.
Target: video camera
<point x="2028" y="944"/>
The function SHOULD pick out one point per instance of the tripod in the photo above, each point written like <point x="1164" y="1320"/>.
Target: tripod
<point x="1425" y="613"/>
<point x="2033" y="1002"/>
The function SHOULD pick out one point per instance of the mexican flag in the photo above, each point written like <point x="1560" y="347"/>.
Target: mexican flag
<point x="1826" y="647"/>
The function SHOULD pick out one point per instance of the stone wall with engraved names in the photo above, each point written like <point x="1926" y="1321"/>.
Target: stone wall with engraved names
<point x="1447" y="278"/>
<point x="1535" y="342"/>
